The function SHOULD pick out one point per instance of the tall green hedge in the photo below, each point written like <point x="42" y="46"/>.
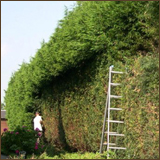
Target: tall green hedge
<point x="67" y="79"/>
<point x="73" y="109"/>
<point x="141" y="107"/>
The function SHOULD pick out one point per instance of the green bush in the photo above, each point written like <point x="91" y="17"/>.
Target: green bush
<point x="86" y="155"/>
<point x="21" y="139"/>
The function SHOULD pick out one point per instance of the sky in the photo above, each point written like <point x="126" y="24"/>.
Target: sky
<point x="24" y="25"/>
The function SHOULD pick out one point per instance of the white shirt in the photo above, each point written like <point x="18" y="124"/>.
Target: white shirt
<point x="37" y="123"/>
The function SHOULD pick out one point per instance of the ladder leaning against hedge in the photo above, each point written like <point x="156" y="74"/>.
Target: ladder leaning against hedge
<point x="108" y="109"/>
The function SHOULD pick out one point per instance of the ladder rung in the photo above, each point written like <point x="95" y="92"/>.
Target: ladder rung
<point x="116" y="134"/>
<point x="117" y="148"/>
<point x="117" y="72"/>
<point x="115" y="109"/>
<point x="115" y="84"/>
<point x="110" y="132"/>
<point x="116" y="121"/>
<point x="105" y="143"/>
<point x="113" y="96"/>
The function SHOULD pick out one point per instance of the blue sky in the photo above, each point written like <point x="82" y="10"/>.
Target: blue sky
<point x="24" y="25"/>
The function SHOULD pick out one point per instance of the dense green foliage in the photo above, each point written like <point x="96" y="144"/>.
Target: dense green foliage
<point x="68" y="77"/>
<point x="67" y="155"/>
<point x="141" y="107"/>
<point x="21" y="139"/>
<point x="86" y="155"/>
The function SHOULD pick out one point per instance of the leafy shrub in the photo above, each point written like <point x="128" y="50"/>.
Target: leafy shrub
<point x="78" y="155"/>
<point x="21" y="139"/>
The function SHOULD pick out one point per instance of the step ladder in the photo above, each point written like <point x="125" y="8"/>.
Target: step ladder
<point x="109" y="109"/>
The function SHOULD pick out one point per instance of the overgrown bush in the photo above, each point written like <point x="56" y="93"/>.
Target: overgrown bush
<point x="86" y="155"/>
<point x="21" y="139"/>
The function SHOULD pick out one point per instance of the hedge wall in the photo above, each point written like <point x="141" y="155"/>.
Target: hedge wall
<point x="73" y="108"/>
<point x="141" y="107"/>
<point x="67" y="79"/>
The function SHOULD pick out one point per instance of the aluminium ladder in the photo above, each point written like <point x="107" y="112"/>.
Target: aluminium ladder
<point x="108" y="109"/>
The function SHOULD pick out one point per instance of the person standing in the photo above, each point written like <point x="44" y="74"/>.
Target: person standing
<point x="37" y="125"/>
